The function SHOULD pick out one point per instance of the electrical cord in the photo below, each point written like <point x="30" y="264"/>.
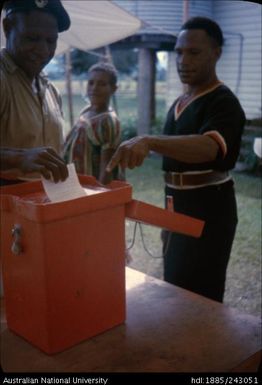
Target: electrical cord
<point x="144" y="243"/>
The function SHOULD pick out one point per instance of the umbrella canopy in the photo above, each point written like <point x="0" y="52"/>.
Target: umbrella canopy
<point x="94" y="23"/>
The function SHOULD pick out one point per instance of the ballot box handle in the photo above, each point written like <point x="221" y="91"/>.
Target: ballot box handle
<point x="164" y="218"/>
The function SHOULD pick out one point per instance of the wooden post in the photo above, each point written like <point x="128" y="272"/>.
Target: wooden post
<point x="146" y="90"/>
<point x="68" y="67"/>
<point x="109" y="59"/>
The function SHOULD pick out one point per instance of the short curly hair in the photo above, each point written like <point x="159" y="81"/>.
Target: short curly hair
<point x="210" y="26"/>
<point x="107" y="68"/>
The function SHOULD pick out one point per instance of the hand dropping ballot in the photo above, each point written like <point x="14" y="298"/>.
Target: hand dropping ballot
<point x="68" y="189"/>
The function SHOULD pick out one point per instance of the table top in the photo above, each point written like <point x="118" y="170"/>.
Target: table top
<point x="167" y="329"/>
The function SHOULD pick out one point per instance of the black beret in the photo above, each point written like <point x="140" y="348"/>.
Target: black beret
<point x="54" y="7"/>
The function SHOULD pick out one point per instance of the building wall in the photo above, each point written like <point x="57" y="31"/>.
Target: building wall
<point x="240" y="64"/>
<point x="164" y="15"/>
<point x="241" y="24"/>
<point x="201" y="7"/>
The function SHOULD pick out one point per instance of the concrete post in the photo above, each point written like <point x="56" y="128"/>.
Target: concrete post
<point x="174" y="86"/>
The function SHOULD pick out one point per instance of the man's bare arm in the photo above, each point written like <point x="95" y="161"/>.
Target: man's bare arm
<point x="187" y="149"/>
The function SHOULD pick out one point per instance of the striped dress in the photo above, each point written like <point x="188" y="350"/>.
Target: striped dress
<point x="88" y="138"/>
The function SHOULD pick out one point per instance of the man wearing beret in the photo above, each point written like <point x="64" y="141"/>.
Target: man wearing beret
<point x="31" y="119"/>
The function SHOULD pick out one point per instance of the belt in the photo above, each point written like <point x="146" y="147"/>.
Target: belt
<point x="182" y="180"/>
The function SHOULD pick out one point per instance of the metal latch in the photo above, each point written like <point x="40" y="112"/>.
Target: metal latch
<point x="16" y="247"/>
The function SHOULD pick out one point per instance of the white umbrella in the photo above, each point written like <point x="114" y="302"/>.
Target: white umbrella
<point x="94" y="23"/>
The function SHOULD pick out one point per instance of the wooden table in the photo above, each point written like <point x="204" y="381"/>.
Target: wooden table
<point x="167" y="329"/>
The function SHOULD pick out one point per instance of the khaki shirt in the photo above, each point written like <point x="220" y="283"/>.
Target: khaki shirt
<point x="27" y="118"/>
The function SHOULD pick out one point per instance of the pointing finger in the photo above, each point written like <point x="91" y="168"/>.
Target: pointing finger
<point x="114" y="161"/>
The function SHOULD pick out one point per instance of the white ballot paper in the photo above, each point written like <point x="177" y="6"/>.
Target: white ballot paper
<point x="69" y="189"/>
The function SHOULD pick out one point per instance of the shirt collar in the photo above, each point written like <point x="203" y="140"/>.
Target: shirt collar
<point x="8" y="61"/>
<point x="12" y="67"/>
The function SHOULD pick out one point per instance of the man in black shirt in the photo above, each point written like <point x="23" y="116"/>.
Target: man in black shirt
<point x="201" y="143"/>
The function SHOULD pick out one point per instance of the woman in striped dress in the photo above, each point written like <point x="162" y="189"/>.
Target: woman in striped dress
<point x="96" y="134"/>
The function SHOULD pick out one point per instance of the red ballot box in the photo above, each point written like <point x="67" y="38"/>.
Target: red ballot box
<point x="64" y="263"/>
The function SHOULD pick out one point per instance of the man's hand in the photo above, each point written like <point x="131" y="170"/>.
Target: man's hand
<point x="130" y="154"/>
<point x="43" y="160"/>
